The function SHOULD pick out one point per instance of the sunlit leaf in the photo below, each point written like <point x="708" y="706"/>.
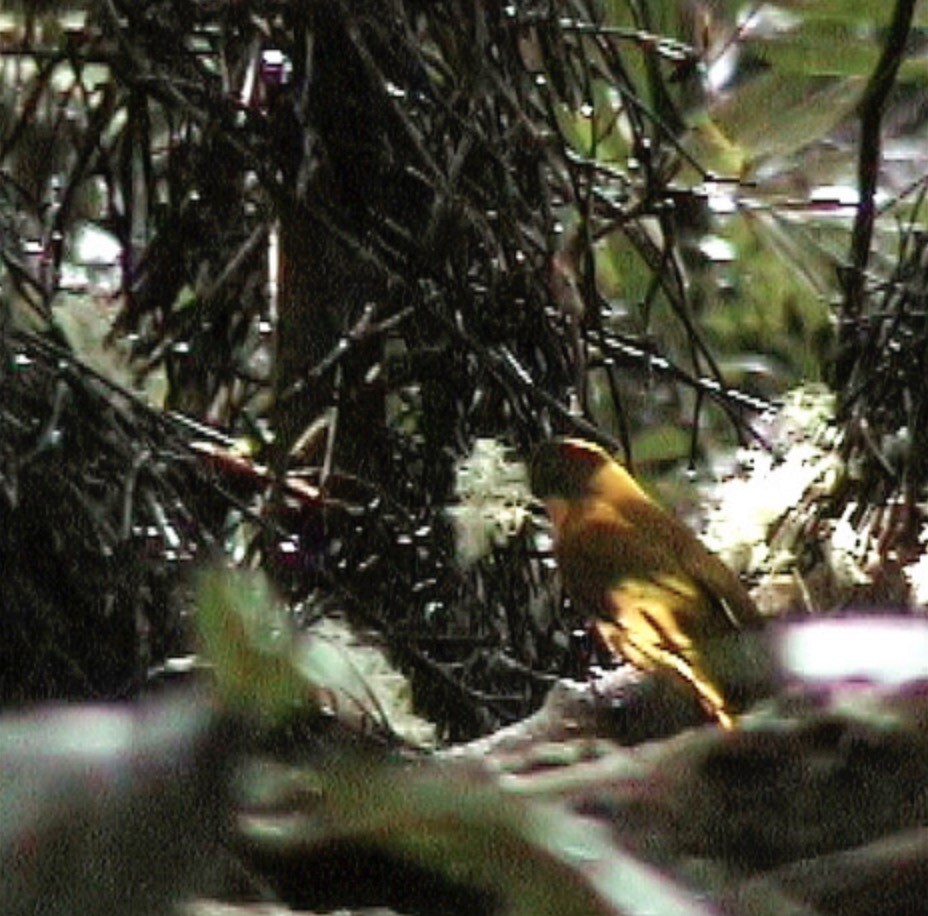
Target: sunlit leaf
<point x="714" y="150"/>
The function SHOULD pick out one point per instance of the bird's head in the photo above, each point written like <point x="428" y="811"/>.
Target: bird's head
<point x="567" y="468"/>
<point x="570" y="473"/>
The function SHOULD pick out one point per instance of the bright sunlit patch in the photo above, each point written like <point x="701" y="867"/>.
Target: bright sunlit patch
<point x="720" y="197"/>
<point x="875" y="649"/>
<point x="717" y="249"/>
<point x="835" y="195"/>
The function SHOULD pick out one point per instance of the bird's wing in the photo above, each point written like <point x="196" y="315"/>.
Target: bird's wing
<point x="697" y="563"/>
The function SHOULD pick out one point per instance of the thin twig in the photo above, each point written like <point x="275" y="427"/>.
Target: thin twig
<point x="868" y="165"/>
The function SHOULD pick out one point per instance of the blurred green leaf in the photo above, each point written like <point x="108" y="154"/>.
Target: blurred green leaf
<point x="248" y="638"/>
<point x="779" y="113"/>
<point x="777" y="304"/>
<point x="538" y="859"/>
<point x="86" y="322"/>
<point x="265" y="667"/>
<point x="186" y="299"/>
<point x="658" y="444"/>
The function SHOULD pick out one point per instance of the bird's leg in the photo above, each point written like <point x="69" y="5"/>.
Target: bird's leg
<point x="581" y="651"/>
<point x="593" y="656"/>
<point x="606" y="683"/>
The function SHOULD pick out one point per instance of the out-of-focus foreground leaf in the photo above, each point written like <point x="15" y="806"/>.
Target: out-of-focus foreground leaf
<point x="534" y="858"/>
<point x="266" y="667"/>
<point x="249" y="641"/>
<point x="107" y="809"/>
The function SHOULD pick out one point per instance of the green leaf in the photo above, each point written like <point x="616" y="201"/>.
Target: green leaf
<point x="779" y="113"/>
<point x="663" y="443"/>
<point x="248" y="638"/>
<point x="266" y="668"/>
<point x="537" y="858"/>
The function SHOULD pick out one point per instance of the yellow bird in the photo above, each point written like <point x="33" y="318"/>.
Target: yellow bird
<point x="659" y="596"/>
